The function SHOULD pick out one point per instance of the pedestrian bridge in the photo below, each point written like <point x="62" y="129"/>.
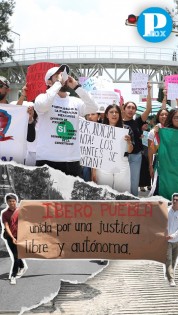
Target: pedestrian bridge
<point x="116" y="62"/>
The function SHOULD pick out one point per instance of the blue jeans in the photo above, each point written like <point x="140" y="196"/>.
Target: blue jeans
<point x="135" y="161"/>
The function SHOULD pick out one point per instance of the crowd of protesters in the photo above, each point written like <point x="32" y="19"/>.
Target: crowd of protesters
<point x="141" y="157"/>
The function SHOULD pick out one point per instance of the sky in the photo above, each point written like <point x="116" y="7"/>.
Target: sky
<point x="44" y="23"/>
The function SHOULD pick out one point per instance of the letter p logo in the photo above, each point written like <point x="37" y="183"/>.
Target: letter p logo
<point x="154" y="24"/>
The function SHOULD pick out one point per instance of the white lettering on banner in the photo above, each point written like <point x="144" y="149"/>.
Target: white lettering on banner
<point x="13" y="132"/>
<point x="150" y="25"/>
<point x="102" y="146"/>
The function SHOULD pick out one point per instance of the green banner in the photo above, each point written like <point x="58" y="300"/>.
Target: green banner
<point x="168" y="162"/>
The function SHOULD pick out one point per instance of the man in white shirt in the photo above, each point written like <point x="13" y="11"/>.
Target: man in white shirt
<point x="58" y="121"/>
<point x="172" y="237"/>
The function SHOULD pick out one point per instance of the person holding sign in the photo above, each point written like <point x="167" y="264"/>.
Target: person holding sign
<point x="160" y="121"/>
<point x="172" y="237"/>
<point x="165" y="143"/>
<point x="118" y="181"/>
<point x="10" y="221"/>
<point x="58" y="121"/>
<point x="135" y="158"/>
<point x="95" y="117"/>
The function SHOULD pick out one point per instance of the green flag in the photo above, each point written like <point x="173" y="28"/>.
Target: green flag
<point x="168" y="162"/>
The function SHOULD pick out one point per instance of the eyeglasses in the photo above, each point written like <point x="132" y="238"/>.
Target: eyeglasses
<point x="175" y="117"/>
<point x="113" y="112"/>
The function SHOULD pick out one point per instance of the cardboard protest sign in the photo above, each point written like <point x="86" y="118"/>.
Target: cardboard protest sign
<point x="92" y="230"/>
<point x="139" y="83"/>
<point x="13" y="132"/>
<point x="102" y="146"/>
<point x="35" y="79"/>
<point x="172" y="91"/>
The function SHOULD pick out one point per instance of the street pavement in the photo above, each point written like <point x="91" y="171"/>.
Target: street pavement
<point x="123" y="288"/>
<point x="42" y="280"/>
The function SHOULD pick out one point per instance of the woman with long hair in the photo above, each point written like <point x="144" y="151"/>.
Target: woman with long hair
<point x="160" y="121"/>
<point x="118" y="181"/>
<point x="166" y="144"/>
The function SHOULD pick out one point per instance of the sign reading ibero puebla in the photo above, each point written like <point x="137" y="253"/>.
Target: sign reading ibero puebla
<point x="93" y="230"/>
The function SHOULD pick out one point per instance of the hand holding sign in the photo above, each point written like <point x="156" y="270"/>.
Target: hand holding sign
<point x="71" y="82"/>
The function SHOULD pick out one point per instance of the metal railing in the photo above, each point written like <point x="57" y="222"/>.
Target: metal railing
<point x="94" y="52"/>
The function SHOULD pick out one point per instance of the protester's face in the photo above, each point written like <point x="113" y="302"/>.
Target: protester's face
<point x="175" y="120"/>
<point x="113" y="116"/>
<point x="12" y="204"/>
<point x="162" y="116"/>
<point x="3" y="91"/>
<point x="129" y="111"/>
<point x="92" y="117"/>
<point x="54" y="78"/>
<point x="175" y="202"/>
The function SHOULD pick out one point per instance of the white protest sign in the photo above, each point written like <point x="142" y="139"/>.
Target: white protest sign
<point x="13" y="132"/>
<point x="172" y="91"/>
<point x="102" y="146"/>
<point x="105" y="98"/>
<point x="82" y="80"/>
<point x="98" y="83"/>
<point x="139" y="83"/>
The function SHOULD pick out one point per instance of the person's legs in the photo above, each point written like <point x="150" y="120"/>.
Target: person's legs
<point x="69" y="168"/>
<point x="104" y="178"/>
<point x="169" y="267"/>
<point x="122" y="179"/>
<point x="86" y="174"/>
<point x="18" y="263"/>
<point x="135" y="161"/>
<point x="73" y="169"/>
<point x="174" y="254"/>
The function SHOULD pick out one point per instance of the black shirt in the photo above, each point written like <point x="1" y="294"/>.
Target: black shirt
<point x="136" y="126"/>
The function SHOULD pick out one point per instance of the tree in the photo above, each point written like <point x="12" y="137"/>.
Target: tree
<point x="31" y="183"/>
<point x="6" y="43"/>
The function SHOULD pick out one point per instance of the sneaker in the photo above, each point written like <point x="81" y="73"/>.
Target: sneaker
<point x="172" y="283"/>
<point x="21" y="272"/>
<point x="142" y="189"/>
<point x="102" y="262"/>
<point x="13" y="280"/>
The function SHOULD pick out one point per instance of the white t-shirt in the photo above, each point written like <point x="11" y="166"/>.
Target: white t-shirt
<point x="173" y="224"/>
<point x="58" y="124"/>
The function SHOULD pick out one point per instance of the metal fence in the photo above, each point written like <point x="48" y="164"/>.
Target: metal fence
<point x="95" y="52"/>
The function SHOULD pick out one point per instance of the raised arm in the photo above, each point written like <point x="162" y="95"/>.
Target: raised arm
<point x="147" y="111"/>
<point x="164" y="101"/>
<point x="90" y="106"/>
